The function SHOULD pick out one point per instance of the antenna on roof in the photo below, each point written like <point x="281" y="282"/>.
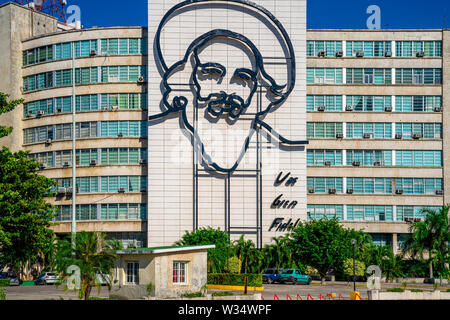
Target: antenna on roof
<point x="54" y="8"/>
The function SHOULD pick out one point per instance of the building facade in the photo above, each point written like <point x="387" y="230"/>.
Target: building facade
<point x="371" y="104"/>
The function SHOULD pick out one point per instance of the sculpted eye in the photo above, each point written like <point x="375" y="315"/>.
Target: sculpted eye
<point x="244" y="75"/>
<point x="213" y="69"/>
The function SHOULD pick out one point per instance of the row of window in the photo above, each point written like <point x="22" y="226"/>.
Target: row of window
<point x="95" y="129"/>
<point x="374" y="185"/>
<point x="373" y="103"/>
<point x="378" y="130"/>
<point x="89" y="75"/>
<point x="92" y="102"/>
<point x="105" y="156"/>
<point x="106" y="184"/>
<point x="430" y="76"/>
<point x="84" y="48"/>
<point x="384" y="158"/>
<point x="366" y="212"/>
<point x="86" y="212"/>
<point x="374" y="48"/>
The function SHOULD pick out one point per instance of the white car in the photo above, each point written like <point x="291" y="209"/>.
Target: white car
<point x="46" y="278"/>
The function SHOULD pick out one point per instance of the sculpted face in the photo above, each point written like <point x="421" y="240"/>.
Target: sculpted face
<point x="225" y="79"/>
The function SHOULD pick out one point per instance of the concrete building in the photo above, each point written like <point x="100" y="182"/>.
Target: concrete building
<point x="372" y="105"/>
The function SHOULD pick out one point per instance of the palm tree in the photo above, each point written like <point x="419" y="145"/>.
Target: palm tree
<point x="430" y="236"/>
<point x="244" y="250"/>
<point x="93" y="255"/>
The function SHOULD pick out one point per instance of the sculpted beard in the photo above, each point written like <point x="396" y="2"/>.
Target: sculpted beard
<point x="220" y="103"/>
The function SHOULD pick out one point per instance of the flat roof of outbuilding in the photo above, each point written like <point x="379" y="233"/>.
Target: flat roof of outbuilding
<point x="164" y="249"/>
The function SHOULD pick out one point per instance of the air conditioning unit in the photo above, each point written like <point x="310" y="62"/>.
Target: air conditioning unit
<point x="327" y="163"/>
<point x="105" y="108"/>
<point x="437" y="109"/>
<point x="143" y="190"/>
<point x="408" y="219"/>
<point x="66" y="164"/>
<point x="120" y="135"/>
<point x="69" y="191"/>
<point x="377" y="163"/>
<point x="399" y="191"/>
<point x="43" y="166"/>
<point x="58" y="110"/>
<point x="321" y="54"/>
<point x="356" y="163"/>
<point x="48" y="141"/>
<point x="40" y="113"/>
<point x="388" y="54"/>
<point x="141" y="79"/>
<point x="121" y="190"/>
<point x="93" y="53"/>
<point x="321" y="108"/>
<point x="398" y="136"/>
<point x="420" y="54"/>
<point x="388" y="109"/>
<point x="339" y="136"/>
<point x="62" y="190"/>
<point x="359" y="54"/>
<point x="114" y="108"/>
<point x="93" y="163"/>
<point x="439" y="192"/>
<point x="349" y="108"/>
<point x="332" y="191"/>
<point x="142" y="161"/>
<point x="367" y="135"/>
<point x="349" y="191"/>
<point x="339" y="54"/>
<point x="417" y="136"/>
<point x="29" y="115"/>
<point x="311" y="190"/>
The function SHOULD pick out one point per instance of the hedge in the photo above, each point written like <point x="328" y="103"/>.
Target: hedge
<point x="4" y="282"/>
<point x="231" y="279"/>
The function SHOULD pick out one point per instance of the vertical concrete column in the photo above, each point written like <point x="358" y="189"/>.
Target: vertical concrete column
<point x="394" y="51"/>
<point x="394" y="243"/>
<point x="393" y="75"/>
<point x="344" y="47"/>
<point x="344" y="75"/>
<point x="446" y="112"/>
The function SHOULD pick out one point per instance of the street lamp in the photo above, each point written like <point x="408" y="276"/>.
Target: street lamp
<point x="353" y="242"/>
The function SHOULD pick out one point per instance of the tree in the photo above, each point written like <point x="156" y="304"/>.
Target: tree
<point x="217" y="257"/>
<point x="250" y="258"/>
<point x="360" y="268"/>
<point x="7" y="106"/>
<point x="278" y="254"/>
<point x="93" y="255"/>
<point x="323" y="245"/>
<point x="24" y="213"/>
<point x="430" y="236"/>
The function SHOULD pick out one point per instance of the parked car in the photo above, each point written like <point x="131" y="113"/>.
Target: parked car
<point x="271" y="275"/>
<point x="13" y="279"/>
<point x="46" y="278"/>
<point x="294" y="276"/>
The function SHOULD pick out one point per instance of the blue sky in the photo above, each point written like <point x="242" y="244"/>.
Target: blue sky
<point x="343" y="14"/>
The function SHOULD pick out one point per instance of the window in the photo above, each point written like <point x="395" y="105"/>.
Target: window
<point x="368" y="76"/>
<point x="132" y="272"/>
<point x="418" y="76"/>
<point x="324" y="76"/>
<point x="369" y="48"/>
<point x="369" y="103"/>
<point x="326" y="130"/>
<point x="329" y="47"/>
<point x="418" y="158"/>
<point x="317" y="212"/>
<point x="323" y="185"/>
<point x="357" y="130"/>
<point x="331" y="103"/>
<point x="411" y="48"/>
<point x="322" y="157"/>
<point x="369" y="213"/>
<point x="180" y="270"/>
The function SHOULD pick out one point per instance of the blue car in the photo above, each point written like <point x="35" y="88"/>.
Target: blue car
<point x="271" y="275"/>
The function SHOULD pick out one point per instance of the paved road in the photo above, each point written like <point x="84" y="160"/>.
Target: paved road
<point x="47" y="293"/>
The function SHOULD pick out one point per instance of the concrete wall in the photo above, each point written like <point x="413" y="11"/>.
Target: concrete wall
<point x="446" y="113"/>
<point x="158" y="270"/>
<point x="408" y="295"/>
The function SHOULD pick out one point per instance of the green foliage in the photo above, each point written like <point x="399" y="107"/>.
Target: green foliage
<point x="93" y="254"/>
<point x="233" y="265"/>
<point x="4" y="283"/>
<point x="7" y="106"/>
<point x="395" y="290"/>
<point x="2" y="294"/>
<point x="217" y="257"/>
<point x="360" y="268"/>
<point x="416" y="290"/>
<point x="251" y="258"/>
<point x="190" y="295"/>
<point x="278" y="254"/>
<point x="25" y="237"/>
<point x="324" y="245"/>
<point x="222" y="294"/>
<point x="431" y="236"/>
<point x="150" y="288"/>
<point x="254" y="280"/>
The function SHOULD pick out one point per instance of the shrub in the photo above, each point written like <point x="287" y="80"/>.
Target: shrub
<point x="150" y="288"/>
<point x="198" y="294"/>
<point x="311" y="271"/>
<point x="233" y="265"/>
<point x="4" y="282"/>
<point x="360" y="268"/>
<point x="222" y="294"/>
<point x="395" y="290"/>
<point x="416" y="290"/>
<point x="2" y="295"/>
<point x="254" y="280"/>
